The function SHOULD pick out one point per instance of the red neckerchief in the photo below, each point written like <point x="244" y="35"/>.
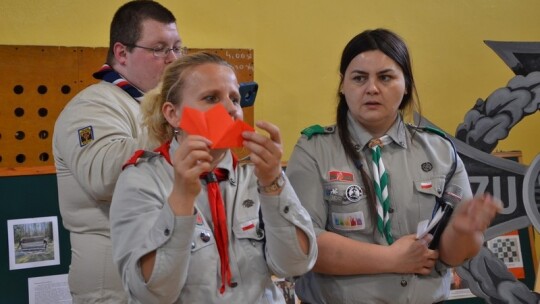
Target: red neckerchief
<point x="217" y="208"/>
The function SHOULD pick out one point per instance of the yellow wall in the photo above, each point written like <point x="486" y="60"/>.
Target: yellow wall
<point x="297" y="45"/>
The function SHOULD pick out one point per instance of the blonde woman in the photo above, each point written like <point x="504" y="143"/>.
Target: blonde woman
<point x="172" y="240"/>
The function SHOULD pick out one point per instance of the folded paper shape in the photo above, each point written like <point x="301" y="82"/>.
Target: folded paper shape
<point x="215" y="124"/>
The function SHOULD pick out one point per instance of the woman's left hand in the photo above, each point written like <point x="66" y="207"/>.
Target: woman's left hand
<point x="476" y="214"/>
<point x="265" y="153"/>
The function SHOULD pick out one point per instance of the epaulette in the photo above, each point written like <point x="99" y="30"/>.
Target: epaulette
<point x="137" y="156"/>
<point x="429" y="129"/>
<point x="317" y="129"/>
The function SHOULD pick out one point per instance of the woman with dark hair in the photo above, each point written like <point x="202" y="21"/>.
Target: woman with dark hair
<point x="368" y="182"/>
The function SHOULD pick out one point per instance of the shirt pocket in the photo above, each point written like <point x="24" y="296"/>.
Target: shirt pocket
<point x="249" y="239"/>
<point x="203" y="264"/>
<point x="427" y="190"/>
<point x="347" y="207"/>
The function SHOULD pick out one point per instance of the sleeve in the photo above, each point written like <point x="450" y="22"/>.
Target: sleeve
<point x="114" y="126"/>
<point x="461" y="179"/>
<point x="142" y="222"/>
<point x="282" y="214"/>
<point x="303" y="172"/>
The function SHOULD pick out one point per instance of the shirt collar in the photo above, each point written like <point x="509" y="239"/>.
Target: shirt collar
<point x="108" y="74"/>
<point x="397" y="132"/>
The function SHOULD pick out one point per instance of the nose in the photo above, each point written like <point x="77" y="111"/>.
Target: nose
<point x="171" y="56"/>
<point x="372" y="87"/>
<point x="232" y="108"/>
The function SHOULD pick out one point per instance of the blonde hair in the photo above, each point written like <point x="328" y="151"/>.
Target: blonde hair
<point x="169" y="89"/>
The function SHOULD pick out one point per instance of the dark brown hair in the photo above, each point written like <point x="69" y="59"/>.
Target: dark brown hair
<point x="394" y="47"/>
<point x="126" y="25"/>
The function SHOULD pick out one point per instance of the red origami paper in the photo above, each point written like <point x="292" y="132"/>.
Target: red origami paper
<point x="215" y="124"/>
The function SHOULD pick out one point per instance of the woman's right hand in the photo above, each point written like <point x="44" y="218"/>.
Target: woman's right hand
<point x="190" y="160"/>
<point x="413" y="255"/>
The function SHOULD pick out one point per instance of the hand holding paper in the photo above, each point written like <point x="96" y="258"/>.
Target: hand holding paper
<point x="215" y="124"/>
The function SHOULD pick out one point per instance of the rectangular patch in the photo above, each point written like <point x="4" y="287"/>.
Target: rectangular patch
<point x="247" y="226"/>
<point x="348" y="221"/>
<point x="86" y="135"/>
<point x="426" y="185"/>
<point x="340" y="176"/>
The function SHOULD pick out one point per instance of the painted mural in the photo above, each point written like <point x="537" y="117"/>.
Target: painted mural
<point x="489" y="121"/>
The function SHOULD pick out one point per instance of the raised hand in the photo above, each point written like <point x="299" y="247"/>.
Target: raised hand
<point x="475" y="215"/>
<point x="190" y="160"/>
<point x="265" y="152"/>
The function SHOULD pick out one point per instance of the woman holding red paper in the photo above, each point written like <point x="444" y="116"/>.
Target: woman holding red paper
<point x="189" y="223"/>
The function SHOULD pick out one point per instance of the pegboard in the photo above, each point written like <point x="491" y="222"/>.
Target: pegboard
<point x="36" y="82"/>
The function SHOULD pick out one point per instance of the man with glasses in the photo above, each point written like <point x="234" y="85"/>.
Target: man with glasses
<point x="98" y="131"/>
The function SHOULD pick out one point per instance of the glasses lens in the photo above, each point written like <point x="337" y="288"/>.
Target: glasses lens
<point x="161" y="52"/>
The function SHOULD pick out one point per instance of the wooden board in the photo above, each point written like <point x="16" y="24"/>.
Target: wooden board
<point x="36" y="82"/>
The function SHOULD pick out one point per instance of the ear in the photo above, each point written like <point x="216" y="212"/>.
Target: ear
<point x="171" y="113"/>
<point x="120" y="52"/>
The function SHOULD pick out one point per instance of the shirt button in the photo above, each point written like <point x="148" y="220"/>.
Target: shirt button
<point x="390" y="210"/>
<point x="192" y="245"/>
<point x="260" y="232"/>
<point x="205" y="237"/>
<point x="166" y="232"/>
<point x="403" y="283"/>
<point x="286" y="209"/>
<point x="234" y="284"/>
<point x="232" y="181"/>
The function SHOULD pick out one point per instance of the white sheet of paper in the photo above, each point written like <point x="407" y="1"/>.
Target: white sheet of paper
<point x="426" y="225"/>
<point x="52" y="289"/>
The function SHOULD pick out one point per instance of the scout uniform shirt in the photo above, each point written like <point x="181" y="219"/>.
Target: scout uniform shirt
<point x="187" y="265"/>
<point x="94" y="135"/>
<point x="324" y="179"/>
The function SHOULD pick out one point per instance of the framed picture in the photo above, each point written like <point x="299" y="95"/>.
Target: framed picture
<point x="33" y="242"/>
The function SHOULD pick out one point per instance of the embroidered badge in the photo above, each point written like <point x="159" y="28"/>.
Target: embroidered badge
<point x="86" y="135"/>
<point x="248" y="203"/>
<point x="332" y="194"/>
<point x="426" y="185"/>
<point x="427" y="166"/>
<point x="348" y="221"/>
<point x="354" y="193"/>
<point x="199" y="220"/>
<point x="340" y="176"/>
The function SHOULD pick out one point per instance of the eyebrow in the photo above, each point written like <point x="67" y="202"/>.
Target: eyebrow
<point x="389" y="70"/>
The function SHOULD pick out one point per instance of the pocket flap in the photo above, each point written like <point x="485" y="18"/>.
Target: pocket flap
<point x="248" y="230"/>
<point x="433" y="186"/>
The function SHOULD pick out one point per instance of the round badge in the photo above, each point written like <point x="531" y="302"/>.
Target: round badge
<point x="427" y="166"/>
<point x="248" y="203"/>
<point x="353" y="193"/>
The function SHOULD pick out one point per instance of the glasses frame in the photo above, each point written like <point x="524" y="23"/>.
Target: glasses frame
<point x="160" y="52"/>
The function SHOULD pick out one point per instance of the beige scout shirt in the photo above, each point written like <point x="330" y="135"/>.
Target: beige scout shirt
<point x="187" y="267"/>
<point x="417" y="167"/>
<point x="93" y="136"/>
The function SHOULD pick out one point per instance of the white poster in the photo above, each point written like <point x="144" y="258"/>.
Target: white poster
<point x="49" y="290"/>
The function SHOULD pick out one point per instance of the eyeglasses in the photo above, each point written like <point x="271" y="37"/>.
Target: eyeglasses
<point x="161" y="51"/>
